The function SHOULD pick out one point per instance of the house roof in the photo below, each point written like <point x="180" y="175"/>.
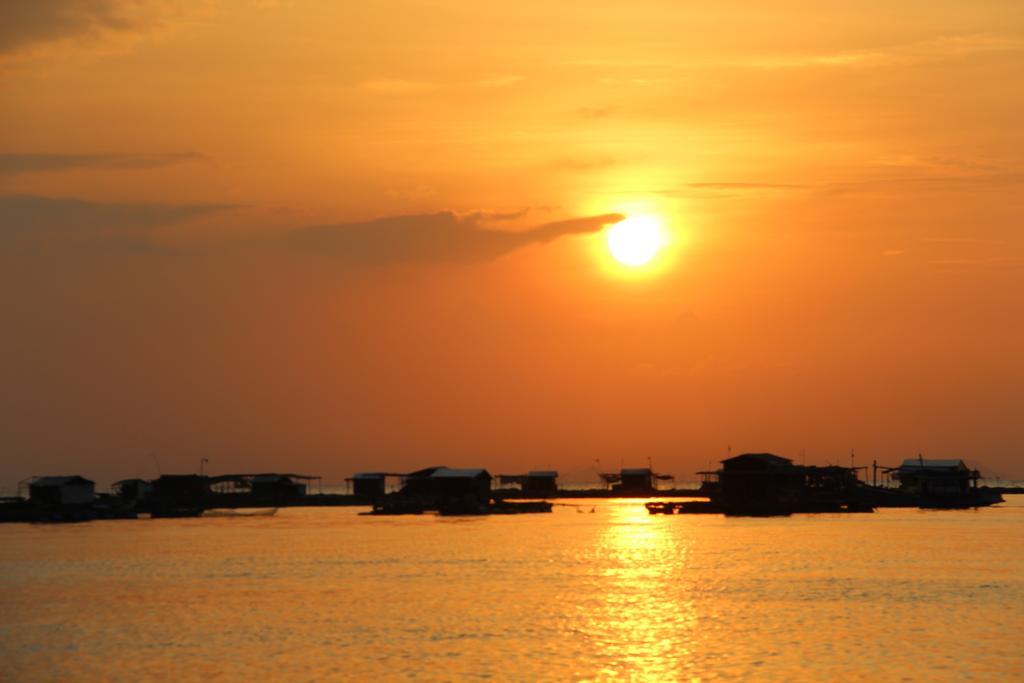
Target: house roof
<point x="369" y="475"/>
<point x="768" y="458"/>
<point x="425" y="472"/>
<point x="61" y="481"/>
<point x="542" y="473"/>
<point x="449" y="473"/>
<point x="265" y="478"/>
<point x="636" y="471"/>
<point x="933" y="464"/>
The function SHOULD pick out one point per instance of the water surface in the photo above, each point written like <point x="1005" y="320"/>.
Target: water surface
<point x="617" y="594"/>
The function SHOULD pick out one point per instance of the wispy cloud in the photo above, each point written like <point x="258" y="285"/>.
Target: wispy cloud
<point x="941" y="47"/>
<point x="28" y="24"/>
<point x="726" y="189"/>
<point x="437" y="237"/>
<point x="924" y="183"/>
<point x="870" y="179"/>
<point x="49" y="221"/>
<point x="29" y="163"/>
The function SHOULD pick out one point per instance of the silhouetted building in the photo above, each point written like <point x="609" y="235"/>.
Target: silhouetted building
<point x="536" y="482"/>
<point x="446" y="483"/>
<point x="369" y="484"/>
<point x="755" y="483"/>
<point x="634" y="481"/>
<point x="936" y="478"/>
<point x="541" y="482"/>
<point x="278" y="486"/>
<point x="132" y="489"/>
<point x="176" y="495"/>
<point x="637" y="479"/>
<point x="64" y="490"/>
<point x="767" y="484"/>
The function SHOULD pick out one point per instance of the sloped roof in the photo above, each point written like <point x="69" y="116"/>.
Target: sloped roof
<point x="636" y="471"/>
<point x="933" y="464"/>
<point x="266" y="478"/>
<point x="769" y="458"/>
<point x="61" y="481"/>
<point x="425" y="472"/>
<point x="449" y="473"/>
<point x="542" y="473"/>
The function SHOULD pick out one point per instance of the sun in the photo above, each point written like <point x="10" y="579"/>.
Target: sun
<point x="636" y="240"/>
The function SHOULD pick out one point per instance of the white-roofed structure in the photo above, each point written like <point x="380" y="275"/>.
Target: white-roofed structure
<point x="62" y="490"/>
<point x="936" y="478"/>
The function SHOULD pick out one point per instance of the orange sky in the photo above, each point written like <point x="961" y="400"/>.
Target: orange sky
<point x="324" y="237"/>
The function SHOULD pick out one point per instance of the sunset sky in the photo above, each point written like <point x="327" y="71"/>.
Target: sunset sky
<point x="324" y="237"/>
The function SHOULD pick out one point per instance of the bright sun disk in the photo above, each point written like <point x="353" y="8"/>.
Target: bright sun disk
<point x="636" y="240"/>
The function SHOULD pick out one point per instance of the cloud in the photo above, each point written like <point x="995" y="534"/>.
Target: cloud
<point x="49" y="221"/>
<point x="438" y="237"/>
<point x="925" y="183"/>
<point x="938" y="181"/>
<point x="30" y="163"/>
<point x="725" y="190"/>
<point x="24" y="22"/>
<point x="939" y="48"/>
<point x="27" y="24"/>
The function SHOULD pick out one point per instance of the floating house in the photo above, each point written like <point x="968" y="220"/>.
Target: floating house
<point x="636" y="481"/>
<point x="941" y="483"/>
<point x="535" y="483"/>
<point x="62" y="491"/>
<point x="368" y="484"/>
<point x="446" y="482"/>
<point x="450" y="491"/>
<point x="279" y="486"/>
<point x="759" y="482"/>
<point x="136" y="490"/>
<point x="444" y="489"/>
<point x="768" y="484"/>
<point x="180" y="495"/>
<point x="935" y="477"/>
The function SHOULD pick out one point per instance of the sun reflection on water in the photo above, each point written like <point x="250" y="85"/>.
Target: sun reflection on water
<point x="643" y="628"/>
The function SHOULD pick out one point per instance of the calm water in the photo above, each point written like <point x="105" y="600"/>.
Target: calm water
<point x="324" y="594"/>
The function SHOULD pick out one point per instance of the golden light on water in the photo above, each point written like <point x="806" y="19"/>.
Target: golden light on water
<point x="643" y="635"/>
